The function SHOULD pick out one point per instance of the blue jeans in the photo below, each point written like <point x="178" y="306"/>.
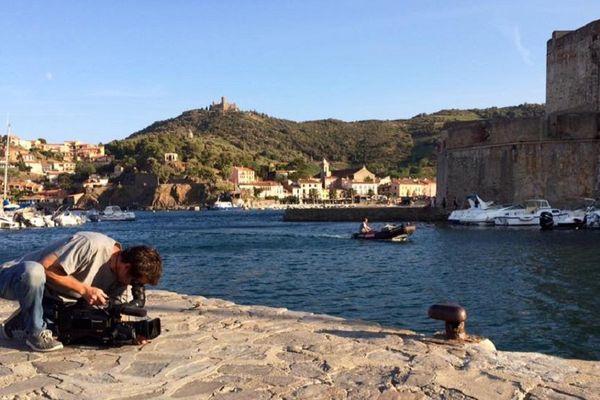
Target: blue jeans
<point x="25" y="282"/>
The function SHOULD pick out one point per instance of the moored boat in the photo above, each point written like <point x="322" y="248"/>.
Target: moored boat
<point x="568" y="219"/>
<point x="479" y="212"/>
<point x="112" y="213"/>
<point x="527" y="215"/>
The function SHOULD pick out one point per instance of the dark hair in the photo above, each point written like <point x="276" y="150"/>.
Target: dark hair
<point x="145" y="262"/>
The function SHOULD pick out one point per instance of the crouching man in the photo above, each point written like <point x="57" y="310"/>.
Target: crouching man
<point x="86" y="265"/>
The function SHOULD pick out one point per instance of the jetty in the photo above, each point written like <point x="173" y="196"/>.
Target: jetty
<point x="215" y="349"/>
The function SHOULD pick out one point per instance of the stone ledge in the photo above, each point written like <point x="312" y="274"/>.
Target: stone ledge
<point x="215" y="349"/>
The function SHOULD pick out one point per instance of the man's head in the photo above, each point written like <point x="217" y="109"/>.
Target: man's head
<point x="145" y="264"/>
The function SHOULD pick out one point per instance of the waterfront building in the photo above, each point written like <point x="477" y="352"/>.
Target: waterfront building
<point x="311" y="189"/>
<point x="241" y="175"/>
<point x="408" y="187"/>
<point x="263" y="189"/>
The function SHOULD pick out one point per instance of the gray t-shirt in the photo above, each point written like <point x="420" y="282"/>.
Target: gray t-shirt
<point x="85" y="256"/>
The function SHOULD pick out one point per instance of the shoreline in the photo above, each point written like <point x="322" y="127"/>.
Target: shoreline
<point x="216" y="349"/>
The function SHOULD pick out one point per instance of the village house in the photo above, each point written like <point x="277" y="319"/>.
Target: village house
<point x="169" y="157"/>
<point x="311" y="189"/>
<point x="242" y="175"/>
<point x="25" y="186"/>
<point x="360" y="181"/>
<point x="408" y="187"/>
<point x="264" y="189"/>
<point x="95" y="181"/>
<point x="87" y="152"/>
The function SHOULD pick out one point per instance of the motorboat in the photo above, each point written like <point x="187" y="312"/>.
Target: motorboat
<point x="592" y="217"/>
<point x="112" y="213"/>
<point x="479" y="212"/>
<point x="394" y="233"/>
<point x="528" y="214"/>
<point x="7" y="222"/>
<point x="68" y="218"/>
<point x="576" y="218"/>
<point x="222" y="205"/>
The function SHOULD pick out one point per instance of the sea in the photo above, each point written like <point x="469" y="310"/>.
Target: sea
<point x="527" y="290"/>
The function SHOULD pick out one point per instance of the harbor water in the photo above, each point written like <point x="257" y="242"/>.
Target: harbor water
<point x="525" y="289"/>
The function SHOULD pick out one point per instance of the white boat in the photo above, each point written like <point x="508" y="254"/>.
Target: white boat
<point x="68" y="218"/>
<point x="527" y="215"/>
<point x="479" y="212"/>
<point x="222" y="205"/>
<point x="7" y="222"/>
<point x="112" y="213"/>
<point x="592" y="217"/>
<point x="569" y="219"/>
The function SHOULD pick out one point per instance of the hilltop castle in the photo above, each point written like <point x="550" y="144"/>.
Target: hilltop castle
<point x="555" y="157"/>
<point x="223" y="106"/>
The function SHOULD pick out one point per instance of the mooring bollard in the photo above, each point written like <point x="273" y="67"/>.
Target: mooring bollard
<point x="454" y="315"/>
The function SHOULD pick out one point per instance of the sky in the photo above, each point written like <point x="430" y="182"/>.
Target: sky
<point x="97" y="71"/>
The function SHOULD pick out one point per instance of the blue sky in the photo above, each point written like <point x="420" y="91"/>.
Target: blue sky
<point x="101" y="70"/>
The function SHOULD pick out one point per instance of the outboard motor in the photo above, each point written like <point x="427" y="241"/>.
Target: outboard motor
<point x="546" y="221"/>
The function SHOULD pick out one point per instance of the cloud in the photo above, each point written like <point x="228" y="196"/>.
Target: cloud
<point x="49" y="76"/>
<point x="521" y="49"/>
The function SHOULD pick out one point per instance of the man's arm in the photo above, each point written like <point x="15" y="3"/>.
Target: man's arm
<point x="57" y="275"/>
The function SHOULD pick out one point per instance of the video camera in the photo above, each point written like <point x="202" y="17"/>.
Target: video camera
<point x="81" y="322"/>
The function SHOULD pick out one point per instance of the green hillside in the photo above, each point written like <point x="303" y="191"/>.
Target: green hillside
<point x="210" y="142"/>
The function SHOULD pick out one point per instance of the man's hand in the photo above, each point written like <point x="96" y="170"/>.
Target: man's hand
<point x="94" y="295"/>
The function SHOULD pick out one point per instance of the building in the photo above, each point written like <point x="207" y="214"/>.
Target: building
<point x="264" y="189"/>
<point x="25" y="186"/>
<point x="241" y="175"/>
<point x="223" y="106"/>
<point x="171" y="157"/>
<point x="408" y="187"/>
<point x="311" y="189"/>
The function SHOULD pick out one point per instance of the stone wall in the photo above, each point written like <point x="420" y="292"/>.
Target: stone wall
<point x="513" y="160"/>
<point x="573" y="62"/>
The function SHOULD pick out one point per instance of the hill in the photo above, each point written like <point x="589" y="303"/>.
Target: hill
<point x="209" y="142"/>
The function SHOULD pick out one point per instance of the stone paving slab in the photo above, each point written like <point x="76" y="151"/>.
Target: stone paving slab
<point x="214" y="349"/>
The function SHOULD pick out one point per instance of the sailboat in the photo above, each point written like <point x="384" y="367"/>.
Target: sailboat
<point x="6" y="222"/>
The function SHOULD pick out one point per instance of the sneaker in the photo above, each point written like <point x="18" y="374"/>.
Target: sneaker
<point x="13" y="326"/>
<point x="43" y="341"/>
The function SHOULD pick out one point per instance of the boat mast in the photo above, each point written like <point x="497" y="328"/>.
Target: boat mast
<point x="6" y="160"/>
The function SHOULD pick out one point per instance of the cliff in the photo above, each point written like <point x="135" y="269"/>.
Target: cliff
<point x="143" y="191"/>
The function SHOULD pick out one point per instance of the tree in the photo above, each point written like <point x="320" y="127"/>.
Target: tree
<point x="257" y="191"/>
<point x="65" y="181"/>
<point x="83" y="170"/>
<point x="159" y="170"/>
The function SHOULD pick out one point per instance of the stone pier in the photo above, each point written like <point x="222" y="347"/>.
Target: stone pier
<point x="214" y="349"/>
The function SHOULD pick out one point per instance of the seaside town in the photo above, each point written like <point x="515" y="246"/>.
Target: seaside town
<point x="45" y="164"/>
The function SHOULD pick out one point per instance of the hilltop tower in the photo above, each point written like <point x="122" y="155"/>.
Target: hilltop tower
<point x="223" y="106"/>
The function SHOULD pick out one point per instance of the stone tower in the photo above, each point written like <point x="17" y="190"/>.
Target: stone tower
<point x="573" y="70"/>
<point x="325" y="171"/>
